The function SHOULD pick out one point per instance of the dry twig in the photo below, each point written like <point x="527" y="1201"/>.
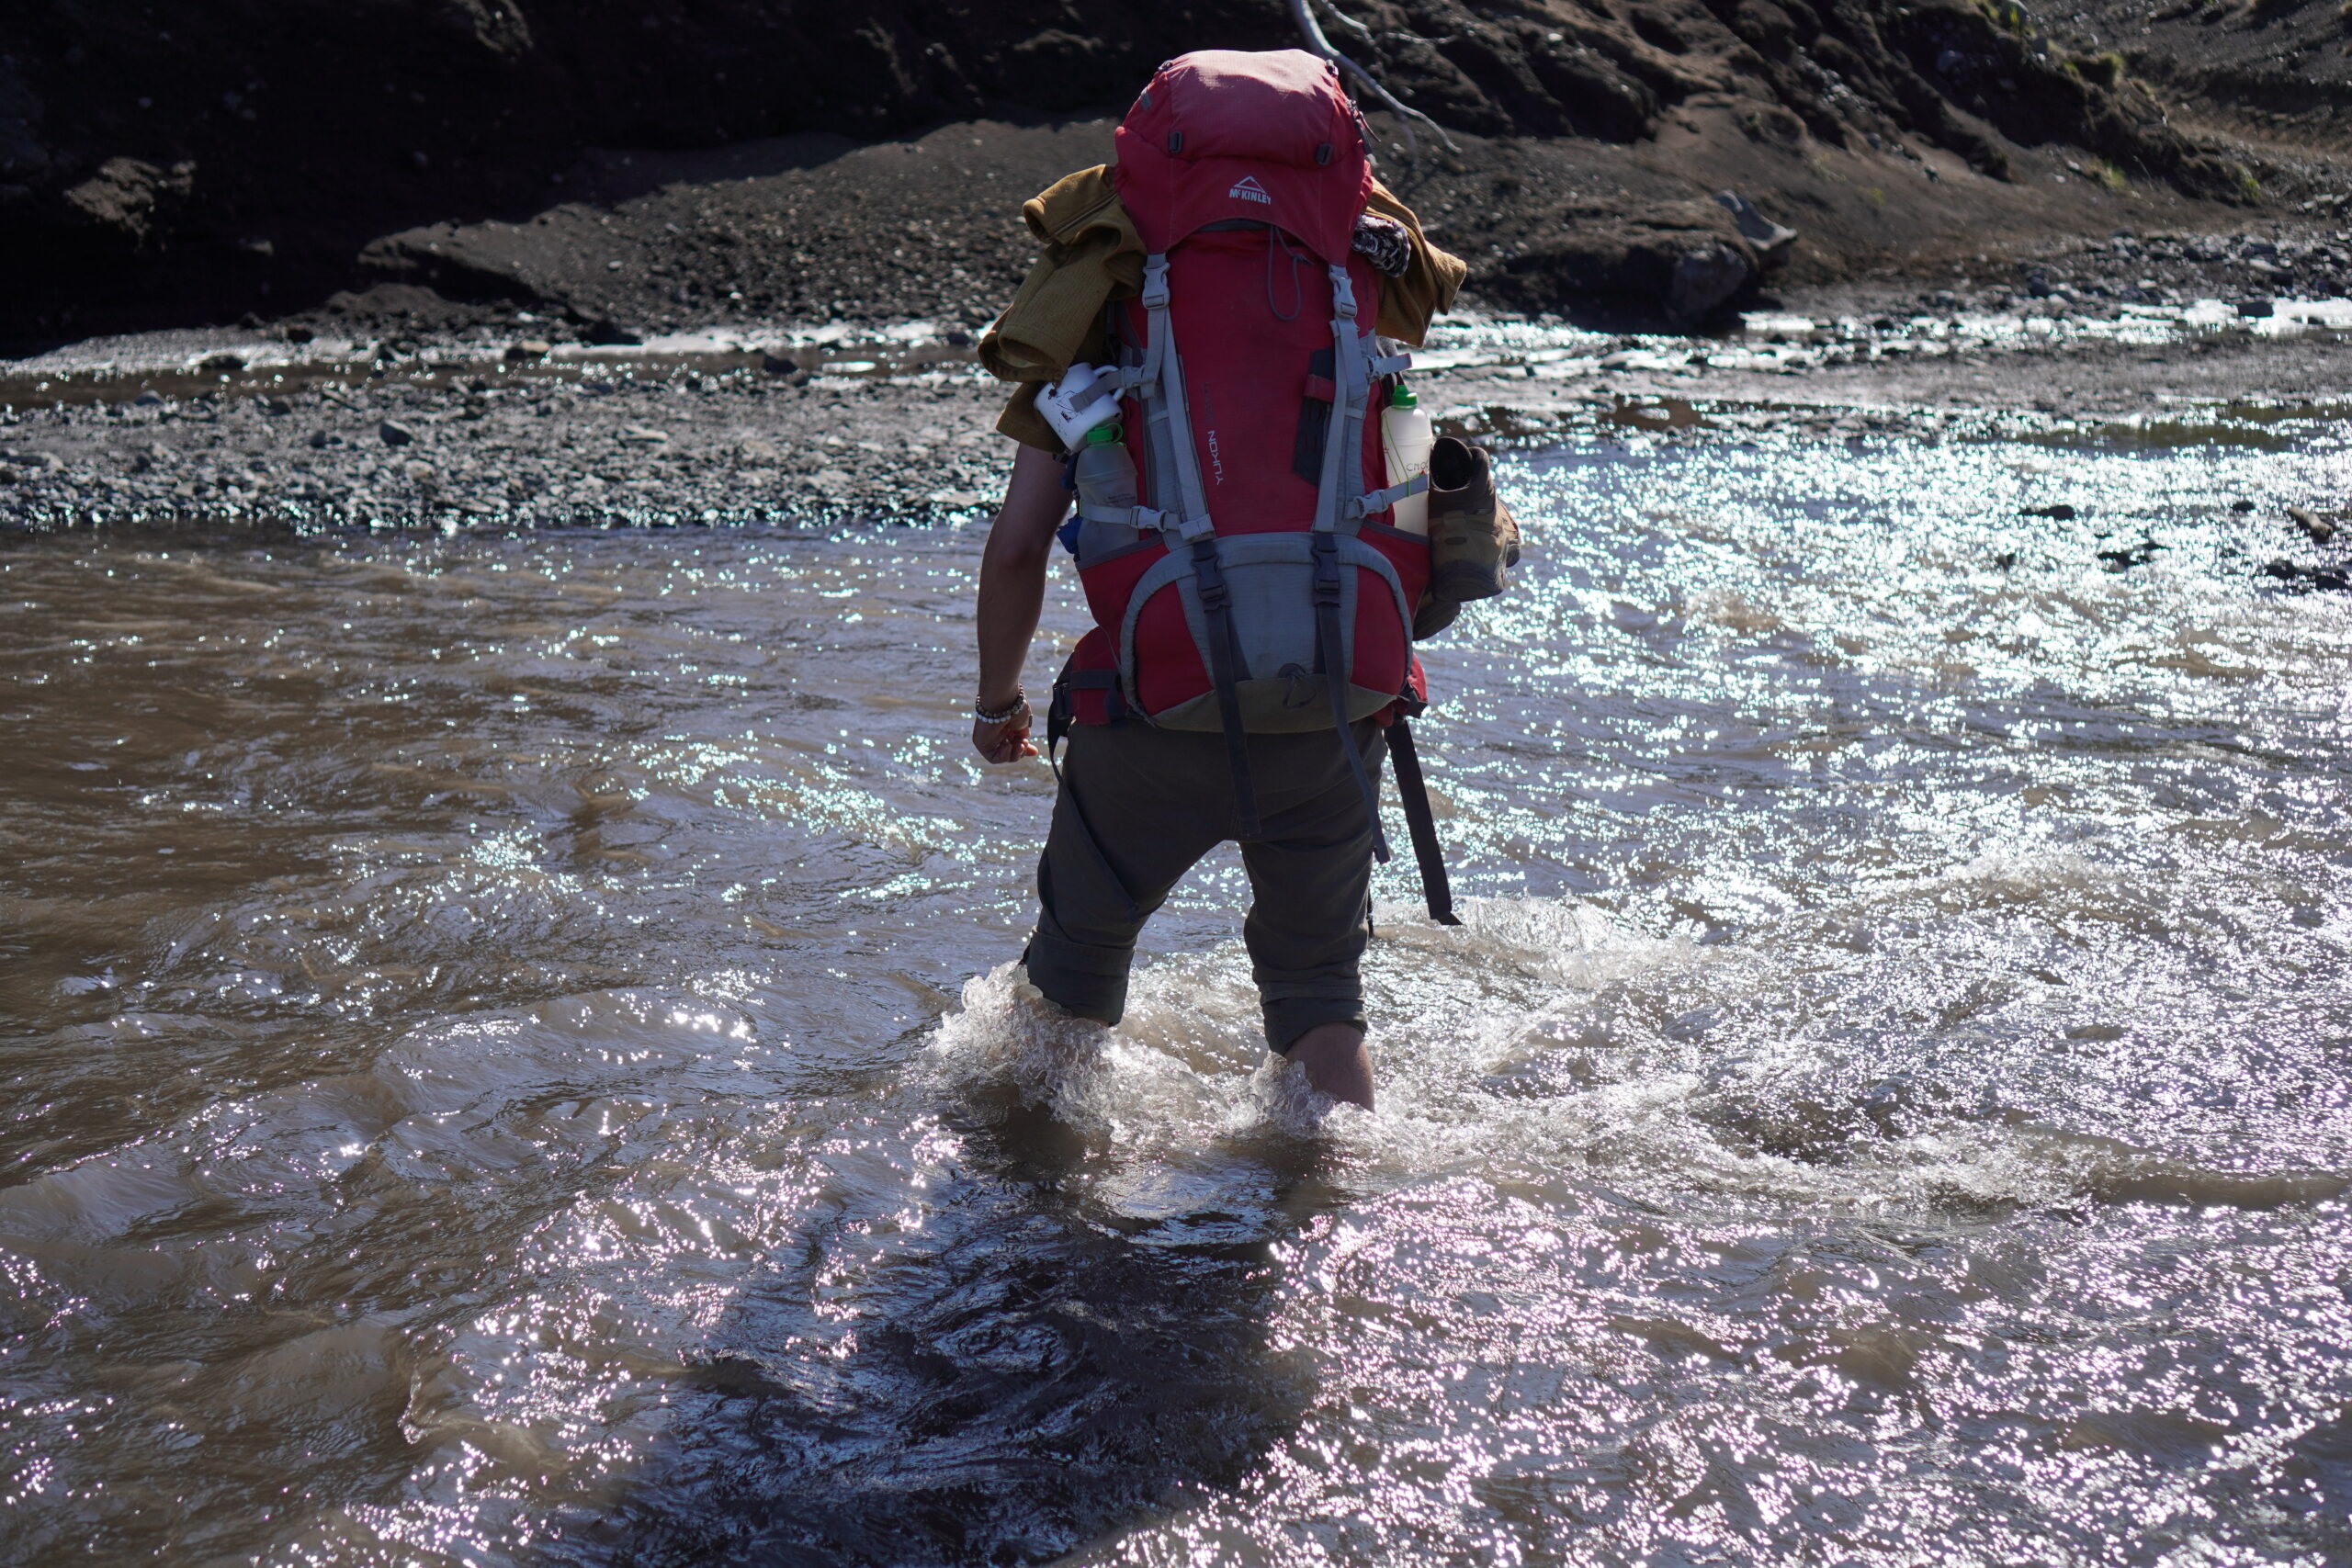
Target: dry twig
<point x="1302" y="13"/>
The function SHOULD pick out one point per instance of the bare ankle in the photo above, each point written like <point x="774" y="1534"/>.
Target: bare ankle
<point x="1336" y="1061"/>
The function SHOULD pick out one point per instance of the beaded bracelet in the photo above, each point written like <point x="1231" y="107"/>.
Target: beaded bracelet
<point x="1019" y="705"/>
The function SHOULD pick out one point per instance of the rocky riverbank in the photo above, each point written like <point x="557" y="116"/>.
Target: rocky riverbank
<point x="480" y="429"/>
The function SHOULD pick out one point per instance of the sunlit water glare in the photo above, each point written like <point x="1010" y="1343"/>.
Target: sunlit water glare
<point x="511" y="1058"/>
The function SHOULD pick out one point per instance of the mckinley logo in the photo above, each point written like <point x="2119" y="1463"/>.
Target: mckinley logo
<point x="1248" y="189"/>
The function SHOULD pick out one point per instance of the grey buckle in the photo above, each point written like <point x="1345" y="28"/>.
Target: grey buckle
<point x="1343" y="295"/>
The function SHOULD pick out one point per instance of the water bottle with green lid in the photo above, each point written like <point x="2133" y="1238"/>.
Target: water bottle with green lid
<point x="1405" y="437"/>
<point x="1106" y="476"/>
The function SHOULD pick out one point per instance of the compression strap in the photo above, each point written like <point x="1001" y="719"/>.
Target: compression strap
<point x="1382" y="500"/>
<point x="1146" y="517"/>
<point x="1332" y="652"/>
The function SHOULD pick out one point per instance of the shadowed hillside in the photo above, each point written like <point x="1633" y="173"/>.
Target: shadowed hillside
<point x="171" y="163"/>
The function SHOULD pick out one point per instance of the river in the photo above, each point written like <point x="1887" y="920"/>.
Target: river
<point x="510" y="1055"/>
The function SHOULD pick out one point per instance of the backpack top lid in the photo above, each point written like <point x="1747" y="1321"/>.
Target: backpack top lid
<point x="1265" y="136"/>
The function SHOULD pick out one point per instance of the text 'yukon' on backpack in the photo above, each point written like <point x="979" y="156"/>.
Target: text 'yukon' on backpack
<point x="1257" y="588"/>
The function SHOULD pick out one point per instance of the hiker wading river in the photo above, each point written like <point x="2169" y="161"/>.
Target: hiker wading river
<point x="1220" y="321"/>
<point x="516" y="1054"/>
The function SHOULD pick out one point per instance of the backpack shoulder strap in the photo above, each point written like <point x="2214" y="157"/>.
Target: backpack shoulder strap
<point x="1159" y="382"/>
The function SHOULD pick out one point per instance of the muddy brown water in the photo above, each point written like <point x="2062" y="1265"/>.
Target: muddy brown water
<point x="511" y="1058"/>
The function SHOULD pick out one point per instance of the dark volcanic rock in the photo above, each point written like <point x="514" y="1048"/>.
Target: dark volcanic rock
<point x="158" y="161"/>
<point x="1688" y="257"/>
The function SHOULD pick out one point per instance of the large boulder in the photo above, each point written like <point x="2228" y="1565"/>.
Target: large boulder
<point x="1680" y="261"/>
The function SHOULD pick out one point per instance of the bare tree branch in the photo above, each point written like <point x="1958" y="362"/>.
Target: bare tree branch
<point x="1302" y="13"/>
<point x="1333" y="11"/>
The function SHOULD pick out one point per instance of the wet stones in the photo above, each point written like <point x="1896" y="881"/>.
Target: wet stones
<point x="2317" y="529"/>
<point x="395" y="434"/>
<point x="2332" y="578"/>
<point x="2251" y="271"/>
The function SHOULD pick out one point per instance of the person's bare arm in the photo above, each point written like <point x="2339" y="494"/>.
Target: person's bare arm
<point x="1013" y="587"/>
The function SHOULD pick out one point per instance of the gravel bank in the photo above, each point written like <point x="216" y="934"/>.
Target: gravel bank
<point x="240" y="430"/>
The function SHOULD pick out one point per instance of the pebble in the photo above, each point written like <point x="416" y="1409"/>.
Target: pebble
<point x="643" y="436"/>
<point x="395" y="434"/>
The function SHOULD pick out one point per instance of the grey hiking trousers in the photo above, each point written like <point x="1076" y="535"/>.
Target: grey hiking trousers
<point x="1139" y="805"/>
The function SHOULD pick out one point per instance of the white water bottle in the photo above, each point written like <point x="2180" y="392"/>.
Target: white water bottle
<point x="1106" y="476"/>
<point x="1405" y="439"/>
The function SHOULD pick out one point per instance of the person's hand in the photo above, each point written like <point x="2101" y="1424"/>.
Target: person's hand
<point x="1006" y="743"/>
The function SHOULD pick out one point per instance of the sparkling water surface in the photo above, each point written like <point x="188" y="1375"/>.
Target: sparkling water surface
<point x="512" y="1057"/>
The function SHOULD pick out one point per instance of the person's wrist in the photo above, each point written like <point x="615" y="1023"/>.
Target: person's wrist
<point x="1009" y="706"/>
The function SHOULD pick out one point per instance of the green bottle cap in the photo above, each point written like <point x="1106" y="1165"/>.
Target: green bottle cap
<point x="1104" y="434"/>
<point x="1402" y="398"/>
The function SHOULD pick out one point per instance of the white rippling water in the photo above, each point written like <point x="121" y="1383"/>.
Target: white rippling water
<point x="514" y="1057"/>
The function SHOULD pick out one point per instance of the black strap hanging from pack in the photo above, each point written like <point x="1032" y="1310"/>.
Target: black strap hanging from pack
<point x="1225" y="656"/>
<point x="1414" y="791"/>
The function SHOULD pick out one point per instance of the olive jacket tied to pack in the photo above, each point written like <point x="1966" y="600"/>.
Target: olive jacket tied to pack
<point x="1093" y="257"/>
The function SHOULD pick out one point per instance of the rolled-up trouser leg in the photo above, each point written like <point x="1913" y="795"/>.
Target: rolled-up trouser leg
<point x="1310" y="873"/>
<point x="1137" y="807"/>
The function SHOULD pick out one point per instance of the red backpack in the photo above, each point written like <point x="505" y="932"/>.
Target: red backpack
<point x="1263" y="591"/>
